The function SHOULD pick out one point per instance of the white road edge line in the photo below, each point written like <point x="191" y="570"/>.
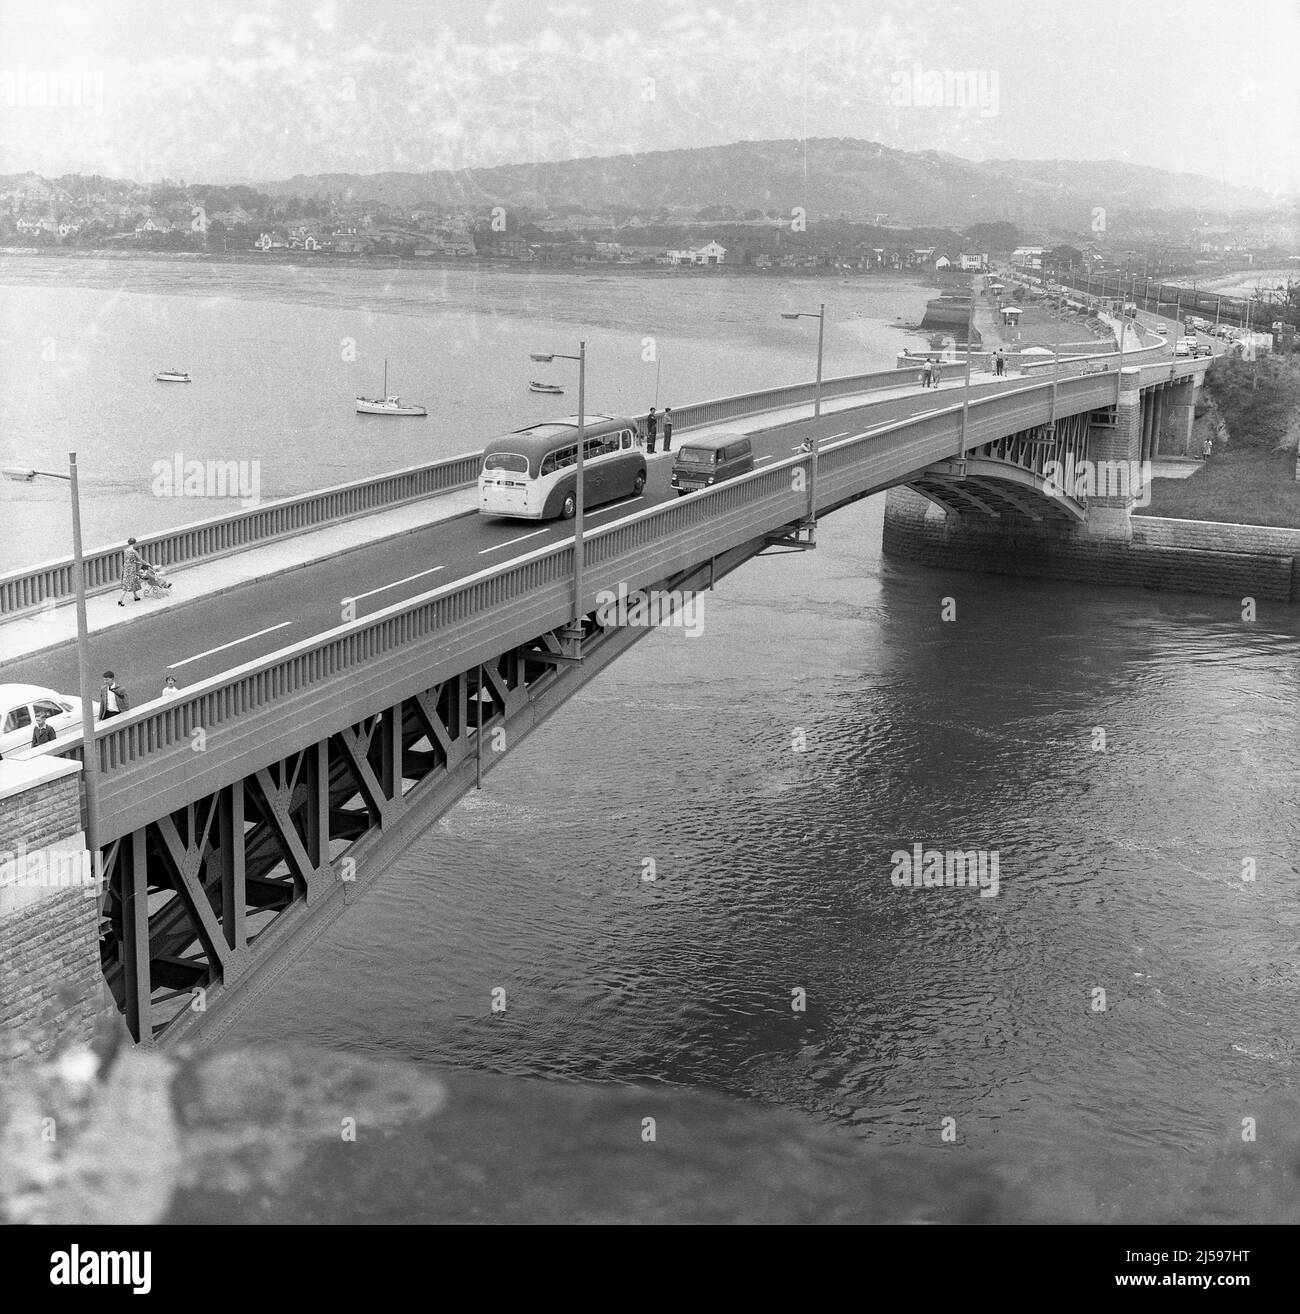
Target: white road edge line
<point x="356" y="597"/>
<point x="618" y="506"/>
<point x="510" y="542"/>
<point x="234" y="643"/>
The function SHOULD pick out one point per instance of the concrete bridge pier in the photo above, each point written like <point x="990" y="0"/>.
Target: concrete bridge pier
<point x="1178" y="413"/>
<point x="1115" y="438"/>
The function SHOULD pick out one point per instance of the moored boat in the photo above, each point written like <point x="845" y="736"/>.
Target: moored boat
<point x="386" y="405"/>
<point x="171" y="376"/>
<point x="553" y="388"/>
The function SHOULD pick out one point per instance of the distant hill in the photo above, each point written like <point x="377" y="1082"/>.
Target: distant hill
<point x="1138" y="185"/>
<point x="826" y="176"/>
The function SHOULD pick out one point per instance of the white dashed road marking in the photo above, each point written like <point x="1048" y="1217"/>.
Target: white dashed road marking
<point x="234" y="643"/>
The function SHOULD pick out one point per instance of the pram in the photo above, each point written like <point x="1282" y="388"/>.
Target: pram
<point x="151" y="579"/>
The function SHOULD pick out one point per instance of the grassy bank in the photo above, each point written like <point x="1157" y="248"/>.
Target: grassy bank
<point x="1242" y="487"/>
<point x="1251" y="478"/>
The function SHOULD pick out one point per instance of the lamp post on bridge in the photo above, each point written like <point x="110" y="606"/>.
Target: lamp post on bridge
<point x="820" y="317"/>
<point x="545" y="359"/>
<point x="965" y="396"/>
<point x="90" y="765"/>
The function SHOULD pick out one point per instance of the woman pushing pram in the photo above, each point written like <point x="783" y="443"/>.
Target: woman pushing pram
<point x="137" y="573"/>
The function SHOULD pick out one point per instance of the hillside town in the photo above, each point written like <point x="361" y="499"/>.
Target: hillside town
<point x="98" y="213"/>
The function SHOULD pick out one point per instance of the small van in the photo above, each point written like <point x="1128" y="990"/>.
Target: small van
<point x="709" y="459"/>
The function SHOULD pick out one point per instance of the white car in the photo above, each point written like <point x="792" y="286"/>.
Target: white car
<point x="1185" y="347"/>
<point x="18" y="704"/>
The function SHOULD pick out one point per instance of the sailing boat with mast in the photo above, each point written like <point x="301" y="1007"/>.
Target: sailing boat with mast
<point x="386" y="405"/>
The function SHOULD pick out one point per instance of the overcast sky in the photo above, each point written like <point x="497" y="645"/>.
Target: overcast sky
<point x="264" y="89"/>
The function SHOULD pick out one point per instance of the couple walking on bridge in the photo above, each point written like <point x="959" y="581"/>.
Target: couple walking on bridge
<point x="929" y="377"/>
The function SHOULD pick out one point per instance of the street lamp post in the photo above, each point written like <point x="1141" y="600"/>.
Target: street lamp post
<point x="581" y="358"/>
<point x="965" y="396"/>
<point x="1123" y="333"/>
<point x="820" y="317"/>
<point x="90" y="765"/>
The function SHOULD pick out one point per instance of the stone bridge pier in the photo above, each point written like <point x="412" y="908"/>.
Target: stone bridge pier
<point x="1175" y="415"/>
<point x="1101" y="547"/>
<point x="1117" y="444"/>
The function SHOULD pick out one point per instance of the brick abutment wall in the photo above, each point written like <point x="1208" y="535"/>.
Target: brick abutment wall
<point x="51" y="985"/>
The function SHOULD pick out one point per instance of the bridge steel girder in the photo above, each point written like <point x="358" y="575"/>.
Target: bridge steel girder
<point x="206" y="906"/>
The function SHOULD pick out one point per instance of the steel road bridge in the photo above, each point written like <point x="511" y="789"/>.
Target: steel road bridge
<point x="239" y="819"/>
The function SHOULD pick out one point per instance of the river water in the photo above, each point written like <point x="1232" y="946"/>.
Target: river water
<point x="1107" y="1020"/>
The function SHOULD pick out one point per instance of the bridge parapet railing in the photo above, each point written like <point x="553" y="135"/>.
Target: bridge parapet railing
<point x="31" y="588"/>
<point x="703" y="414"/>
<point x="1098" y="362"/>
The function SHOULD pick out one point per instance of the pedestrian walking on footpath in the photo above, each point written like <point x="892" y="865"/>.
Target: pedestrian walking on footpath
<point x="936" y="373"/>
<point x="1206" y="448"/>
<point x="999" y="364"/>
<point x="668" y="428"/>
<point x="42" y="733"/>
<point x="650" y="435"/>
<point x="112" y="697"/>
<point x="169" y="689"/>
<point x="130" y="574"/>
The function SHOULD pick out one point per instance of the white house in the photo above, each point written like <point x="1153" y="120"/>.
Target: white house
<point x="709" y="254"/>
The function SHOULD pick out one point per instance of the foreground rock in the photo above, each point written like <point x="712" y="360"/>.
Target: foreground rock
<point x="302" y="1135"/>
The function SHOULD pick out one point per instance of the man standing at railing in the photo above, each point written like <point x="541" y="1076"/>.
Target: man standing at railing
<point x="112" y="697"/>
<point x="42" y="733"/>
<point x="668" y="428"/>
<point x="650" y="435"/>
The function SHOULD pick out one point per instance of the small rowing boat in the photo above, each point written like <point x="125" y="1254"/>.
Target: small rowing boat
<point x="171" y="376"/>
<point x="553" y="389"/>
